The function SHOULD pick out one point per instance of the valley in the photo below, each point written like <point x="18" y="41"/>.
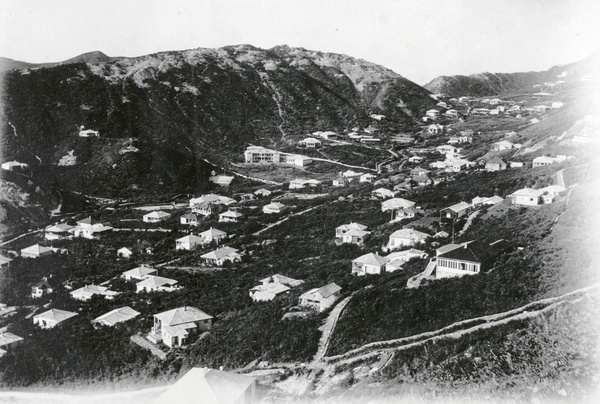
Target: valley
<point x="312" y="220"/>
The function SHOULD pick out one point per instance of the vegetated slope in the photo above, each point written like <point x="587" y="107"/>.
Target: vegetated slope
<point x="483" y="84"/>
<point x="182" y="106"/>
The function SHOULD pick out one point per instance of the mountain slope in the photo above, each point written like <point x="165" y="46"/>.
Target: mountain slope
<point x="484" y="84"/>
<point x="180" y="107"/>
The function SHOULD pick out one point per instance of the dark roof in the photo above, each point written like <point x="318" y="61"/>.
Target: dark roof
<point x="477" y="251"/>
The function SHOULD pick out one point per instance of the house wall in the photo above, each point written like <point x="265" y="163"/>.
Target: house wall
<point x="525" y="200"/>
<point x="447" y="268"/>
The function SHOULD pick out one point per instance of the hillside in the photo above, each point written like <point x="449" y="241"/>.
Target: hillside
<point x="181" y="106"/>
<point x="486" y="84"/>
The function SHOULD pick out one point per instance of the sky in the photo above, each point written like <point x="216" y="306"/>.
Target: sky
<point x="418" y="39"/>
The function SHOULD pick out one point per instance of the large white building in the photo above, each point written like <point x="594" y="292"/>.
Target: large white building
<point x="258" y="154"/>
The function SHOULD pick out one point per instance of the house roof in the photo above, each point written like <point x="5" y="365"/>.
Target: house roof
<point x="157" y="214"/>
<point x="124" y="249"/>
<point x="528" y="192"/>
<point x="4" y="260"/>
<point x="36" y="249"/>
<point x="42" y="284"/>
<point x="212" y="233"/>
<point x="208" y="386"/>
<point x="231" y="213"/>
<point x="406" y="254"/>
<point x="140" y="272"/>
<point x="56" y="315"/>
<point x="59" y="228"/>
<point x="220" y="253"/>
<point x="117" y="316"/>
<point x="88" y="221"/>
<point x="493" y="200"/>
<point x="396" y="203"/>
<point x="190" y="216"/>
<point x="458" y="207"/>
<point x="271" y="288"/>
<point x="410" y="234"/>
<point x="90" y="290"/>
<point x="7" y="338"/>
<point x="352" y="226"/>
<point x="496" y="160"/>
<point x="328" y="290"/>
<point x="182" y="315"/>
<point x="371" y="259"/>
<point x="422" y="178"/>
<point x="471" y="251"/>
<point x="275" y="205"/>
<point x="190" y="238"/>
<point x="262" y="191"/>
<point x="284" y="280"/>
<point x="155" y="282"/>
<point x="356" y="233"/>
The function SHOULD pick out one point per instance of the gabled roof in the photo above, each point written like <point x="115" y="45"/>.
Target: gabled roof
<point x="496" y="160"/>
<point x="275" y="205"/>
<point x="4" y="260"/>
<point x="56" y="315"/>
<point x="190" y="238"/>
<point x="7" y="338"/>
<point x="220" y="253"/>
<point x="271" y="288"/>
<point x="87" y="221"/>
<point x="282" y="279"/>
<point x="458" y="207"/>
<point x="528" y="192"/>
<point x="208" y="386"/>
<point x="356" y="233"/>
<point x="396" y="203"/>
<point x="328" y="290"/>
<point x="231" y="213"/>
<point x="117" y="316"/>
<point x="182" y="315"/>
<point x="410" y="234"/>
<point x="157" y="214"/>
<point x="140" y="272"/>
<point x="406" y="254"/>
<point x="212" y="233"/>
<point x="352" y="226"/>
<point x="155" y="282"/>
<point x="59" y="228"/>
<point x="471" y="251"/>
<point x="371" y="259"/>
<point x="190" y="216"/>
<point x="36" y="249"/>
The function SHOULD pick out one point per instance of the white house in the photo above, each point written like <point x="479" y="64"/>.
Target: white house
<point x="174" y="327"/>
<point x="85" y="293"/>
<point x="58" y="231"/>
<point x="383" y="193"/>
<point x="36" y="251"/>
<point x="320" y="299"/>
<point x="258" y="154"/>
<point x="156" y="216"/>
<point x="405" y="238"/>
<point x="262" y="192"/>
<point x="189" y="218"/>
<point x="343" y="229"/>
<point x="88" y="132"/>
<point x="124" y="252"/>
<point x="41" y="288"/>
<point x="369" y="264"/>
<point x="115" y="316"/>
<point x="90" y="229"/>
<point x="495" y="164"/>
<point x="354" y="236"/>
<point x="213" y="235"/>
<point x="52" y="317"/>
<point x="8" y="340"/>
<point x="189" y="242"/>
<point x="543" y="161"/>
<point x="139" y="273"/>
<point x="435" y="129"/>
<point x="272" y="286"/>
<point x="367" y="178"/>
<point x="212" y="198"/>
<point x="14" y="166"/>
<point x="155" y="283"/>
<point x="432" y="113"/>
<point x="274" y="207"/>
<point x="526" y="197"/>
<point x="310" y="142"/>
<point x="415" y="159"/>
<point x="396" y="203"/>
<point x="503" y="145"/>
<point x="221" y="255"/>
<point x="230" y="216"/>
